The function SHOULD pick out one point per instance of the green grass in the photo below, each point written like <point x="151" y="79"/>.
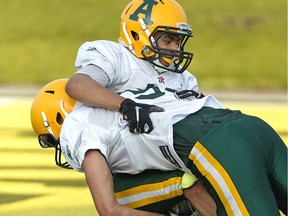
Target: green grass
<point x="32" y="185"/>
<point x="237" y="44"/>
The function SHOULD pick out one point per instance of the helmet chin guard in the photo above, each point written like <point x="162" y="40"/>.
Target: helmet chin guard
<point x="49" y="141"/>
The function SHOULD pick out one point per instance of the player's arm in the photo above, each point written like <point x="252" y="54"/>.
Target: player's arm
<point x="200" y="199"/>
<point x="100" y="183"/>
<point x="84" y="89"/>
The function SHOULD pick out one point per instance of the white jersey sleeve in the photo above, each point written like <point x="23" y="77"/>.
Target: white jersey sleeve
<point x="96" y="73"/>
<point x="104" y="54"/>
<point x="87" y="128"/>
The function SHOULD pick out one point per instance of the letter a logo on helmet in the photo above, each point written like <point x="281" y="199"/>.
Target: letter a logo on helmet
<point x="148" y="4"/>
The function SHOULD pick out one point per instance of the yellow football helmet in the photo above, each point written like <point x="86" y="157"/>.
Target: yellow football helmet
<point x="49" y="108"/>
<point x="142" y="18"/>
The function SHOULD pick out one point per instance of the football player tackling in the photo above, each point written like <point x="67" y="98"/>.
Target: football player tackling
<point x="154" y="118"/>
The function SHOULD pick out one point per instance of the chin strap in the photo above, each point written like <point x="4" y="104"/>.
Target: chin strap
<point x="162" y="69"/>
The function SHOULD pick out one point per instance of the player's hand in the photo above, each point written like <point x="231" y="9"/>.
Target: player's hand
<point x="137" y="114"/>
<point x="188" y="95"/>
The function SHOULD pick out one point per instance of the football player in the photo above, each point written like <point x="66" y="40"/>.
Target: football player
<point x="226" y="149"/>
<point x="151" y="190"/>
<point x="151" y="51"/>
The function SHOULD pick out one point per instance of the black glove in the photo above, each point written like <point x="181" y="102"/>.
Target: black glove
<point x="188" y="95"/>
<point x="137" y="114"/>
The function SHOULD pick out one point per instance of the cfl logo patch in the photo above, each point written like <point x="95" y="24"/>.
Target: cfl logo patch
<point x="161" y="79"/>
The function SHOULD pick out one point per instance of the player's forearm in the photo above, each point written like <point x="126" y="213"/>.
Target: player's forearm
<point x="201" y="199"/>
<point x="87" y="91"/>
<point x="99" y="180"/>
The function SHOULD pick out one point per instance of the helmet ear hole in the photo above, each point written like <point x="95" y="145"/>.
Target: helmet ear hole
<point x="59" y="119"/>
<point x="135" y="35"/>
<point x="50" y="91"/>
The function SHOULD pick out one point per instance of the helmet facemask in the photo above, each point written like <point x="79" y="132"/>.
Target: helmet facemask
<point x="49" y="141"/>
<point x="179" y="59"/>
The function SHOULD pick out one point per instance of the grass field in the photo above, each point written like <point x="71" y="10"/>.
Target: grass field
<point x="31" y="185"/>
<point x="236" y="45"/>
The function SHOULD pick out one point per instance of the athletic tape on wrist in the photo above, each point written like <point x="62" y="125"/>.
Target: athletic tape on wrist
<point x="188" y="180"/>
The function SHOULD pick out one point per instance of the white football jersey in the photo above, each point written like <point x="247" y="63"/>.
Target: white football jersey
<point x="88" y="128"/>
<point x="126" y="71"/>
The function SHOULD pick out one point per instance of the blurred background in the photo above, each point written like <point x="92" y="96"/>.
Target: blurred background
<point x="240" y="55"/>
<point x="237" y="45"/>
